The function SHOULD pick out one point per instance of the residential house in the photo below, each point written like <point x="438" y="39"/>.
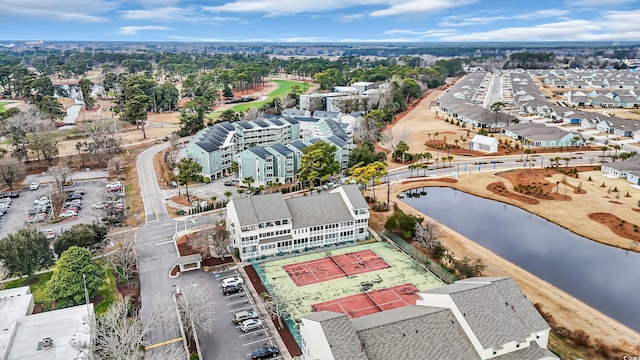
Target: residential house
<point x="362" y="86"/>
<point x="268" y="225"/>
<point x="292" y="112"/>
<point x="621" y="169"/>
<point x="485" y="144"/>
<point x="476" y="318"/>
<point x="540" y="135"/>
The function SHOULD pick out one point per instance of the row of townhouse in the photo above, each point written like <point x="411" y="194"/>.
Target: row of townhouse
<point x="629" y="169"/>
<point x="604" y="98"/>
<point x="215" y="147"/>
<point x="589" y="78"/>
<point x="269" y="225"/>
<point x="344" y="97"/>
<point x="541" y="135"/>
<point x="278" y="163"/>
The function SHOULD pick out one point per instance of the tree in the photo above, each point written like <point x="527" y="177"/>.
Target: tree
<point x="74" y="269"/>
<point x="192" y="116"/>
<point x="219" y="239"/>
<point x="59" y="174"/>
<point x="427" y="235"/>
<point x="227" y="92"/>
<point x="85" y="86"/>
<point x="229" y="115"/>
<point x="51" y="107"/>
<point x="275" y="303"/>
<point x="196" y="308"/>
<point x="400" y="150"/>
<point x="25" y="251"/>
<point x="249" y="180"/>
<point x="120" y="332"/>
<point x="363" y="174"/>
<point x="497" y="108"/>
<point x="10" y="171"/>
<point x="365" y="153"/>
<point x="45" y="144"/>
<point x="122" y="256"/>
<point x="189" y="171"/>
<point x="318" y="163"/>
<point x="403" y="224"/>
<point x="234" y="169"/>
<point x="89" y="236"/>
<point x="21" y="126"/>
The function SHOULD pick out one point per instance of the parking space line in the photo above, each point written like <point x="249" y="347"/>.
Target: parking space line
<point x="241" y="309"/>
<point x="255" y="332"/>
<point x="238" y="302"/>
<point x="255" y="342"/>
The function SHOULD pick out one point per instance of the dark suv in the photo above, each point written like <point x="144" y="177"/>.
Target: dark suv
<point x="265" y="352"/>
<point x="230" y="289"/>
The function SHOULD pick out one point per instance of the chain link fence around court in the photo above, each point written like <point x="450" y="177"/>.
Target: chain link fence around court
<point x="420" y="257"/>
<point x="293" y="327"/>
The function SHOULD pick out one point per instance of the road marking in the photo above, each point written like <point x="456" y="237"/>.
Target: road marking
<point x="240" y="309"/>
<point x="255" y="342"/>
<point x="254" y="332"/>
<point x="237" y="302"/>
<point x="153" y="346"/>
<point x="163" y="243"/>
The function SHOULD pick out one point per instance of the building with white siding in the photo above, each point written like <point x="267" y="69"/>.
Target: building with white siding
<point x="267" y="225"/>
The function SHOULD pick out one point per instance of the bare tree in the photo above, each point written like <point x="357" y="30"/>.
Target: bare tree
<point x="103" y="144"/>
<point x="122" y="256"/>
<point x="10" y="171"/>
<point x="21" y="126"/>
<point x="44" y="144"/>
<point x="3" y="275"/>
<point x="253" y="113"/>
<point x="389" y="139"/>
<point x="219" y="240"/>
<point x="59" y="174"/>
<point x="196" y="307"/>
<point x="427" y="235"/>
<point x="172" y="156"/>
<point x="119" y="335"/>
<point x="275" y="303"/>
<point x="117" y="165"/>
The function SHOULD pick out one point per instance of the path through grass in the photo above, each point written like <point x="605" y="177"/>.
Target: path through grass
<point x="284" y="87"/>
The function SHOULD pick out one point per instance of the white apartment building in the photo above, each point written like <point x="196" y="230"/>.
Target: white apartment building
<point x="269" y="224"/>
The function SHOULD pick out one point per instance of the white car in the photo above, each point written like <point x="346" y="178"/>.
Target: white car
<point x="250" y="324"/>
<point x="34" y="185"/>
<point x="68" y="213"/>
<point x="235" y="280"/>
<point x="50" y="234"/>
<point x="43" y="200"/>
<point x="98" y="205"/>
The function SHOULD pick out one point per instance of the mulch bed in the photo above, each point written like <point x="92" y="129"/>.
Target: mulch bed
<point x="498" y="188"/>
<point x="175" y="270"/>
<point x="213" y="261"/>
<point x="285" y="334"/>
<point x="617" y="226"/>
<point x="445" y="180"/>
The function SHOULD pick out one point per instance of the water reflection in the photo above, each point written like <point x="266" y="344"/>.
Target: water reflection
<point x="602" y="276"/>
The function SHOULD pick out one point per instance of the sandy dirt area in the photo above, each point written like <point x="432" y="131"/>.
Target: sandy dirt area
<point x="573" y="214"/>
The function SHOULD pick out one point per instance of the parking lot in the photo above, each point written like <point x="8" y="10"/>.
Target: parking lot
<point x="18" y="212"/>
<point x="228" y="341"/>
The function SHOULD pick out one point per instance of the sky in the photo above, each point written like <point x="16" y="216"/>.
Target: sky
<point x="320" y="20"/>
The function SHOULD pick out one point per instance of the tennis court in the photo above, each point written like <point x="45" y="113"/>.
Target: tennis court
<point x="334" y="267"/>
<point x="371" y="302"/>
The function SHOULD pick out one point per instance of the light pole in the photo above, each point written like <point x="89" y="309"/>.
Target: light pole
<point x="86" y="292"/>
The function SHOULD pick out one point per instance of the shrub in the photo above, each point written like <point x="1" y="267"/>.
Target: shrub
<point x="205" y="180"/>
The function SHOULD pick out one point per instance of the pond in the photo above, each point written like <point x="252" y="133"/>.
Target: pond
<point x="72" y="114"/>
<point x="602" y="276"/>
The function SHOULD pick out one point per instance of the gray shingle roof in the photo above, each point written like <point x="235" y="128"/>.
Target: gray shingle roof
<point x="261" y="152"/>
<point x="355" y="196"/>
<point x="532" y="352"/>
<point x="414" y="333"/>
<point x="252" y="210"/>
<point x="325" y="208"/>
<point x="496" y="310"/>
<point x="281" y="149"/>
<point x="342" y="339"/>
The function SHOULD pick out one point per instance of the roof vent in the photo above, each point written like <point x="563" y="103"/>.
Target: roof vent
<point x="46" y="343"/>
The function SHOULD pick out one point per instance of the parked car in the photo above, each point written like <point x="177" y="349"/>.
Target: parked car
<point x="74" y="197"/>
<point x="114" y="186"/>
<point x="10" y="194"/>
<point x="50" y="234"/>
<point x="40" y="217"/>
<point x="64" y="229"/>
<point x="251" y="324"/>
<point x="44" y="200"/>
<point x="231" y="289"/>
<point x="235" y="280"/>
<point x="34" y="185"/>
<point x="98" y="205"/>
<point x="245" y="315"/>
<point x="231" y="183"/>
<point x="68" y="213"/>
<point x="265" y="352"/>
<point x="6" y="200"/>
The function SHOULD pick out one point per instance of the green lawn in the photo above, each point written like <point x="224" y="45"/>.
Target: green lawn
<point x="284" y="87"/>
<point x="37" y="283"/>
<point x="2" y="104"/>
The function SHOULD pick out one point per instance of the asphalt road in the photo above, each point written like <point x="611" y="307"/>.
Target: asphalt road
<point x="154" y="208"/>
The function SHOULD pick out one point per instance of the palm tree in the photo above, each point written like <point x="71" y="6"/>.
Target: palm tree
<point x="527" y="151"/>
<point x="427" y="156"/>
<point x="616" y="147"/>
<point x="435" y="136"/>
<point x="444" y="158"/>
<point x="604" y="148"/>
<point x="456" y="141"/>
<point x="464" y="142"/>
<point x="240" y="192"/>
<point x="234" y="170"/>
<point x="449" y="158"/>
<point x="228" y="195"/>
<point x="566" y="161"/>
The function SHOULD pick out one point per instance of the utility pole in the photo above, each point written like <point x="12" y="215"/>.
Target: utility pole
<point x="86" y="292"/>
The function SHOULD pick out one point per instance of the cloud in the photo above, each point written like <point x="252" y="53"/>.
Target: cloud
<point x="420" y="6"/>
<point x="68" y="10"/>
<point x="422" y="34"/>
<point x="292" y="7"/>
<point x="133" y="30"/>
<point x="458" y="21"/>
<point x="173" y="14"/>
<point x="598" y="4"/>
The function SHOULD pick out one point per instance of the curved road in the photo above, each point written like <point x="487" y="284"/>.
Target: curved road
<point x="154" y="208"/>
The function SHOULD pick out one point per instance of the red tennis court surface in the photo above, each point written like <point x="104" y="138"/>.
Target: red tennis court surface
<point x="334" y="267"/>
<point x="371" y="302"/>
